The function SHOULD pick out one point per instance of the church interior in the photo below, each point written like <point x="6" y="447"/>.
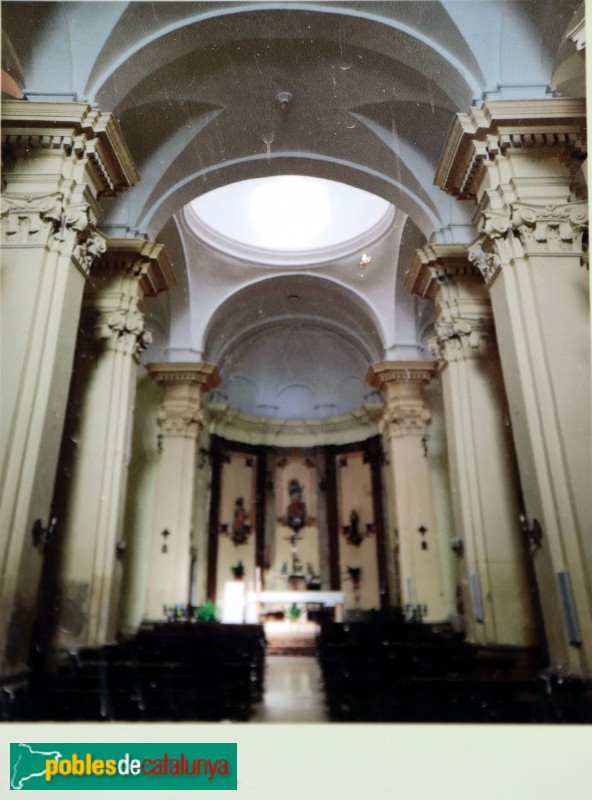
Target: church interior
<point x="296" y="371"/>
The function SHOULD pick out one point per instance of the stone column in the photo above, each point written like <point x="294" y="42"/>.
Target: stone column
<point x="90" y="498"/>
<point x="180" y="419"/>
<point x="58" y="158"/>
<point x="520" y="161"/>
<point x="484" y="480"/>
<point x="405" y="425"/>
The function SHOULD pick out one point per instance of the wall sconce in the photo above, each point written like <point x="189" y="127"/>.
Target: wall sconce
<point x="423" y="530"/>
<point x="457" y="546"/>
<point x="120" y="549"/>
<point x="42" y="535"/>
<point x="533" y="531"/>
<point x="165" y="534"/>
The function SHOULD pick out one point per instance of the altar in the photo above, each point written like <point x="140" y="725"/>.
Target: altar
<point x="257" y="599"/>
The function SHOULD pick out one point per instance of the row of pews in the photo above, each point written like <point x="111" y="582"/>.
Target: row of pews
<point x="404" y="672"/>
<point x="167" y="672"/>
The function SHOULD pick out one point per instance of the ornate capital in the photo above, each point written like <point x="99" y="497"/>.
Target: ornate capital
<point x="405" y="411"/>
<point x="405" y="420"/>
<point x="44" y="220"/>
<point x="482" y="255"/>
<point x="527" y="229"/>
<point x="550" y="229"/>
<point x="123" y="331"/>
<point x="184" y="423"/>
<point x="457" y="339"/>
<point x="28" y="219"/>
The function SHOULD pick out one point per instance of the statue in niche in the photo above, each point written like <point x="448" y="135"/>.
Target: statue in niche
<point x="240" y="523"/>
<point x="296" y="511"/>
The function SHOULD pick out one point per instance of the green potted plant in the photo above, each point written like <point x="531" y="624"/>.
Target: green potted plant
<point x="209" y="612"/>
<point x="238" y="570"/>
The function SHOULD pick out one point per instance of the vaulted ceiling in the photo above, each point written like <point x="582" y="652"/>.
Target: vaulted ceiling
<point x="363" y="93"/>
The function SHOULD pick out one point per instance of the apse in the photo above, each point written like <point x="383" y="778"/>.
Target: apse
<point x="293" y="346"/>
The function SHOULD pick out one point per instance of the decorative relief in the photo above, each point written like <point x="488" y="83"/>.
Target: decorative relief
<point x="186" y="423"/>
<point x="550" y="228"/>
<point x="30" y="220"/>
<point x="459" y="338"/>
<point x="527" y="229"/>
<point x="487" y="262"/>
<point x="123" y="331"/>
<point x="399" y="420"/>
<point x="43" y="219"/>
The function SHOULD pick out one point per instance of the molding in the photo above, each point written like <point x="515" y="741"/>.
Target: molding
<point x="248" y="429"/>
<point x="75" y="129"/>
<point x="185" y="373"/>
<point x="577" y="34"/>
<point x="266" y="257"/>
<point x="144" y="258"/>
<point x="500" y="125"/>
<point x="433" y="263"/>
<point x="387" y="372"/>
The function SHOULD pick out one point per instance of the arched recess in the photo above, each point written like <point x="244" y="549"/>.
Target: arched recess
<point x="293" y="337"/>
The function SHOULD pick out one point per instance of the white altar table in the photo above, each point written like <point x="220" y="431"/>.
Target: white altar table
<point x="330" y="599"/>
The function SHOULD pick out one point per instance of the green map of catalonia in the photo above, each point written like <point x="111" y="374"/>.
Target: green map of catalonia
<point x="30" y="764"/>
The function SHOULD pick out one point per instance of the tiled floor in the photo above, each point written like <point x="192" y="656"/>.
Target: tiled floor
<point x="292" y="691"/>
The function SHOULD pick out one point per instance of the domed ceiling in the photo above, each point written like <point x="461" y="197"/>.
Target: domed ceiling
<point x="339" y="108"/>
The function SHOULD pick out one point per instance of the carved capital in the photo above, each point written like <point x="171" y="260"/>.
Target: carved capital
<point x="123" y="331"/>
<point x="405" y="420"/>
<point x="457" y="339"/>
<point x="182" y="423"/>
<point x="481" y="255"/>
<point x="550" y="229"/>
<point x="527" y="229"/>
<point x="28" y="219"/>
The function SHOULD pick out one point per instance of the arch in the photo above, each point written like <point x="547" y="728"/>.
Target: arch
<point x="261" y="165"/>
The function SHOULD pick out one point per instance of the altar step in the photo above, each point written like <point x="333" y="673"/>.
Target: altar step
<point x="285" y="638"/>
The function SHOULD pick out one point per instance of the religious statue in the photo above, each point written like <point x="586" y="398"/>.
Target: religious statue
<point x="240" y="523"/>
<point x="296" y="511"/>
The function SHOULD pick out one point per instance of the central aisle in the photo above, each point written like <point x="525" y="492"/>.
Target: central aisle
<point x="292" y="691"/>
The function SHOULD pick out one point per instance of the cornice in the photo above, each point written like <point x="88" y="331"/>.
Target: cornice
<point x="201" y="374"/>
<point x="499" y="124"/>
<point x="150" y="258"/>
<point x="432" y="260"/>
<point x="385" y="372"/>
<point x="76" y="128"/>
<point x="248" y="429"/>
